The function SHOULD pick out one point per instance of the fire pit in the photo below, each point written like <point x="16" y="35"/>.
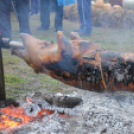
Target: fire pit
<point x="98" y="114"/>
<point x="107" y="113"/>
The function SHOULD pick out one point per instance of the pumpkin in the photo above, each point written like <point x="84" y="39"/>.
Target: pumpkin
<point x="99" y="3"/>
<point x="107" y="7"/>
<point x="116" y="7"/>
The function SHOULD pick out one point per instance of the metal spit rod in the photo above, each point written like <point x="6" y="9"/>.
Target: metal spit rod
<point x="9" y="43"/>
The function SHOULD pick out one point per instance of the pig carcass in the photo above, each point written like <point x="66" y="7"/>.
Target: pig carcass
<point x="79" y="63"/>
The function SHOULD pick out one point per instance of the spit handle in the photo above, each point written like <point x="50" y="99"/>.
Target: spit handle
<point x="9" y="43"/>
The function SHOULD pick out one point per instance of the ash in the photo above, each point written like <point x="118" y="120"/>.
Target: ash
<point x="99" y="113"/>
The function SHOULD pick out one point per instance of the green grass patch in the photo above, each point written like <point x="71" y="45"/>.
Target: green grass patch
<point x="48" y="79"/>
<point x="14" y="79"/>
<point x="32" y="89"/>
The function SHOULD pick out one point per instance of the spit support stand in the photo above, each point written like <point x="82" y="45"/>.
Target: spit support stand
<point x="6" y="43"/>
<point x="2" y="80"/>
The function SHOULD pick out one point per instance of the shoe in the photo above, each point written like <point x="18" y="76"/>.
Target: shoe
<point x="84" y="33"/>
<point x="78" y="30"/>
<point x="41" y="28"/>
<point x="32" y="13"/>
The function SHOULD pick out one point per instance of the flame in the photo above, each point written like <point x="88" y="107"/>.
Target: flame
<point x="13" y="118"/>
<point x="29" y="100"/>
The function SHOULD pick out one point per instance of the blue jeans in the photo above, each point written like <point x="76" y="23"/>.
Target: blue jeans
<point x="35" y="6"/>
<point x="22" y="7"/>
<point x="84" y="10"/>
<point x="45" y="14"/>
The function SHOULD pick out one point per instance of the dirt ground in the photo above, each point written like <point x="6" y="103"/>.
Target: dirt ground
<point x="20" y="79"/>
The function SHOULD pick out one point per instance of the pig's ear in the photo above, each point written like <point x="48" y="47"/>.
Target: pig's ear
<point x="29" y="40"/>
<point x="75" y="36"/>
<point x="59" y="41"/>
<point x="63" y="43"/>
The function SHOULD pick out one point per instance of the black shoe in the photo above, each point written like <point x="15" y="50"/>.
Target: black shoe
<point x="41" y="28"/>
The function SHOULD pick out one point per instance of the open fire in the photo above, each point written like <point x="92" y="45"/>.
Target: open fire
<point x="97" y="113"/>
<point x="13" y="118"/>
<point x="78" y="63"/>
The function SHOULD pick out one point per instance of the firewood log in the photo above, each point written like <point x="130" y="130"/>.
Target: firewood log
<point x="63" y="101"/>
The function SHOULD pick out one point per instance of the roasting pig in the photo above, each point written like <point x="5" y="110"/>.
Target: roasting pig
<point x="79" y="63"/>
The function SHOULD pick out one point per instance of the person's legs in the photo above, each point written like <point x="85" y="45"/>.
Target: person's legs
<point x="80" y="11"/>
<point x="45" y="14"/>
<point x="5" y="25"/>
<point x="23" y="9"/>
<point x="37" y="6"/>
<point x="59" y="18"/>
<point x="87" y="15"/>
<point x="33" y="5"/>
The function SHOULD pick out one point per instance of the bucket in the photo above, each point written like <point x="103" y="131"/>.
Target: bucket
<point x="129" y="4"/>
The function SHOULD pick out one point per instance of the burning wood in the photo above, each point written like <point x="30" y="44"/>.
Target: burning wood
<point x="63" y="101"/>
<point x="80" y="63"/>
<point x="13" y="118"/>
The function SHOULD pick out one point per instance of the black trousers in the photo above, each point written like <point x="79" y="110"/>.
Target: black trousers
<point x="84" y="10"/>
<point x="22" y="7"/>
<point x="45" y="14"/>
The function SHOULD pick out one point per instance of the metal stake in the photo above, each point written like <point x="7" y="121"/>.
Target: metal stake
<point x="2" y="80"/>
<point x="7" y="44"/>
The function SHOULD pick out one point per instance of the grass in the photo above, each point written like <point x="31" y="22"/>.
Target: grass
<point x="14" y="79"/>
<point x="20" y="78"/>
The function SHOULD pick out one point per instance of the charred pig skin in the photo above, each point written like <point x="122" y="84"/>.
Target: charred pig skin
<point x="79" y="63"/>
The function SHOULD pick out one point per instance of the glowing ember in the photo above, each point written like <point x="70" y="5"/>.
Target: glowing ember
<point x="13" y="118"/>
<point x="29" y="100"/>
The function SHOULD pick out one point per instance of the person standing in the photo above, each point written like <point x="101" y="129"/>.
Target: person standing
<point x="35" y="6"/>
<point x="45" y="15"/>
<point x="22" y="8"/>
<point x="84" y="10"/>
